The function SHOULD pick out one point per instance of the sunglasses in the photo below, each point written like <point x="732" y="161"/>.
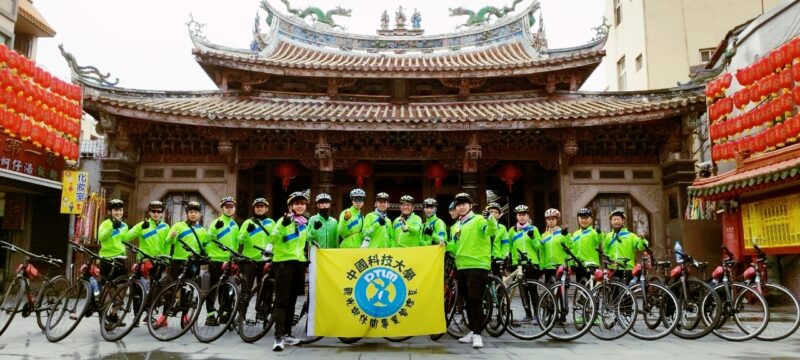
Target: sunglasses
<point x="156" y="211"/>
<point x="358" y="199"/>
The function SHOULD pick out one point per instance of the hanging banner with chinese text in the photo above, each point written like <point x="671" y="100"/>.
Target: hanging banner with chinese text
<point x="376" y="292"/>
<point x="74" y="191"/>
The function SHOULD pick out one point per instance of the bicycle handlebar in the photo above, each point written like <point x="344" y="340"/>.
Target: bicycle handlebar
<point x="237" y="256"/>
<point x="46" y="258"/>
<point x="571" y="255"/>
<point x="161" y="259"/>
<point x="189" y="249"/>
<point x="263" y="251"/>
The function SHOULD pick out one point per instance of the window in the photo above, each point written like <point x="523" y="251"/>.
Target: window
<point x="621" y="81"/>
<point x="637" y="218"/>
<point x="706" y="54"/>
<point x="23" y="44"/>
<point x="617" y="12"/>
<point x="642" y="174"/>
<point x="639" y="62"/>
<point x="184" y="173"/>
<point x="581" y="174"/>
<point x="612" y="174"/>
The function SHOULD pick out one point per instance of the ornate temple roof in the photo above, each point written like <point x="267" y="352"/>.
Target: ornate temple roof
<point x="288" y="111"/>
<point x="290" y="46"/>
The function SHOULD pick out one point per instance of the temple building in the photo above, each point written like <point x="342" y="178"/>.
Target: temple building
<point x="490" y="107"/>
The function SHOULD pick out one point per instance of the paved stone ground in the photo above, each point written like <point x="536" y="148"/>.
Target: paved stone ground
<point x="23" y="340"/>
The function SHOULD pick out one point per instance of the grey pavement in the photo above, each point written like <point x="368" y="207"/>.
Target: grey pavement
<point x="24" y="340"/>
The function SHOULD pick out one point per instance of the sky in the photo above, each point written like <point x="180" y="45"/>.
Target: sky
<point x="146" y="44"/>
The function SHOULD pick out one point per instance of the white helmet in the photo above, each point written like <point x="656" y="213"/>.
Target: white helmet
<point x="357" y="193"/>
<point x="323" y="197"/>
<point x="552" y="213"/>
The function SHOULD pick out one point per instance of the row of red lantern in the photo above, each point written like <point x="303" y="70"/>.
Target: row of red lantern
<point x="720" y="109"/>
<point x="769" y="139"/>
<point x="38" y="95"/>
<point x="770" y="85"/>
<point x="27" y="68"/>
<point x="779" y="58"/>
<point x="57" y="122"/>
<point x="716" y="88"/>
<point x="39" y="135"/>
<point x="775" y="110"/>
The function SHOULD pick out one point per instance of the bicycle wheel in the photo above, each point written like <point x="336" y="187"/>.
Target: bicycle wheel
<point x="699" y="314"/>
<point x="744" y="317"/>
<point x="398" y="338"/>
<point x="573" y="311"/>
<point x="122" y="307"/>
<point x="500" y="303"/>
<point x="10" y="302"/>
<point x="458" y="319"/>
<point x="784" y="312"/>
<point x="178" y="304"/>
<point x="68" y="311"/>
<point x="48" y="295"/>
<point x="616" y="310"/>
<point x="527" y="301"/>
<point x="255" y="317"/>
<point x="450" y="295"/>
<point x="224" y="297"/>
<point x="658" y="309"/>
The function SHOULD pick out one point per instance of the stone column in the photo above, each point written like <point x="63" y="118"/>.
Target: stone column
<point x="469" y="177"/>
<point x="324" y="152"/>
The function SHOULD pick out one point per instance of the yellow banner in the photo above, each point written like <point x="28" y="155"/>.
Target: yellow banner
<point x="376" y="292"/>
<point x="74" y="189"/>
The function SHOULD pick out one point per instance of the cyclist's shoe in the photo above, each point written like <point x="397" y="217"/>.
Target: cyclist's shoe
<point x="185" y="320"/>
<point x="467" y="338"/>
<point x="161" y="322"/>
<point x="224" y="316"/>
<point x="477" y="341"/>
<point x="291" y="340"/>
<point x="278" y="346"/>
<point x="211" y="320"/>
<point x="579" y="320"/>
<point x="261" y="316"/>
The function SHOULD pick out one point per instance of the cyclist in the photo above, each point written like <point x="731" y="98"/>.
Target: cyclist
<point x="472" y="248"/>
<point x="225" y="230"/>
<point x="110" y="235"/>
<point x="322" y="226"/>
<point x="152" y="237"/>
<point x="585" y="242"/>
<point x="288" y="243"/>
<point x="435" y="230"/>
<point x="622" y="244"/>
<point x="524" y="238"/>
<point x="551" y="254"/>
<point x="255" y="234"/>
<point x="195" y="236"/>
<point x="408" y="226"/>
<point x="377" y="230"/>
<point x="351" y="221"/>
<point x="500" y="242"/>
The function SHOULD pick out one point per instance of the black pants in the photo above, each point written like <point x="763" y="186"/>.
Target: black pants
<point x="583" y="273"/>
<point x="471" y="285"/>
<point x="549" y="276"/>
<point x="531" y="273"/>
<point x="622" y="276"/>
<point x="109" y="272"/>
<point x="214" y="273"/>
<point x="175" y="270"/>
<point x="289" y="283"/>
<point x="252" y="272"/>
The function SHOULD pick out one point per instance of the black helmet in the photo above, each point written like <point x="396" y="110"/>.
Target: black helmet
<point x="494" y="205"/>
<point x="463" y="198"/>
<point x="115" y="204"/>
<point x="584" y="212"/>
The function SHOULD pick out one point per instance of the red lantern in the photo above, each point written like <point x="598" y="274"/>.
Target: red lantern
<point x="361" y="169"/>
<point x="25" y="129"/>
<point x="510" y="173"/>
<point x="741" y="98"/>
<point x="781" y="135"/>
<point x="745" y="76"/>
<point x="437" y="172"/>
<point x="286" y="171"/>
<point x="794" y="46"/>
<point x="50" y="141"/>
<point x="58" y="145"/>
<point x="37" y="135"/>
<point x="786" y="80"/>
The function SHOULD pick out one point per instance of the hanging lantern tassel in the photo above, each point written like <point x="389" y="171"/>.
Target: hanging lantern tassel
<point x="286" y="171"/>
<point x="285" y="184"/>
<point x="437" y="172"/>
<point x="510" y="173"/>
<point x="361" y="170"/>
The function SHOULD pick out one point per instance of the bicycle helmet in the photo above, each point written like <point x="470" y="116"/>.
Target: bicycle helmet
<point x="463" y="198"/>
<point x="357" y="193"/>
<point x="192" y="205"/>
<point x="584" y="212"/>
<point x="382" y="196"/>
<point x="617" y="212"/>
<point x="521" y="209"/>
<point x="115" y="204"/>
<point x="452" y="206"/>
<point x="406" y="199"/>
<point x="321" y="197"/>
<point x="296" y="196"/>
<point x="552" y="213"/>
<point x="261" y="201"/>
<point x="430" y="202"/>
<point x="494" y="205"/>
<point x="155" y="204"/>
<point x="227" y="199"/>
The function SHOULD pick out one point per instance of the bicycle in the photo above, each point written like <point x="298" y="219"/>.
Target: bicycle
<point x="128" y="300"/>
<point x="494" y="296"/>
<point x="531" y="303"/>
<point x="255" y="318"/>
<point x="573" y="311"/>
<point x="83" y="297"/>
<point x="617" y="307"/>
<point x="657" y="305"/>
<point x="38" y="302"/>
<point x="179" y="302"/>
<point x="784" y="309"/>
<point x="696" y="320"/>
<point x="450" y="289"/>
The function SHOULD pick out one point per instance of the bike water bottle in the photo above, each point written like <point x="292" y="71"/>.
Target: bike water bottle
<point x="95" y="287"/>
<point x="678" y="252"/>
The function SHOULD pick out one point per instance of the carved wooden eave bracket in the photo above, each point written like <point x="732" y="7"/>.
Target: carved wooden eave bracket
<point x="334" y="84"/>
<point x="551" y="81"/>
<point x="463" y="85"/>
<point x="247" y="80"/>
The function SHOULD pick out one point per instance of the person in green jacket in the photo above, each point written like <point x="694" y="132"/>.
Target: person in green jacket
<point x="110" y="235"/>
<point x="499" y="240"/>
<point x="585" y="242"/>
<point x="351" y="222"/>
<point x="551" y="254"/>
<point x="152" y="236"/>
<point x="434" y="232"/>
<point x="407" y="227"/>
<point x="195" y="236"/>
<point x="225" y="230"/>
<point x="288" y="242"/>
<point x="524" y="238"/>
<point x="377" y="230"/>
<point x="472" y="248"/>
<point x="254" y="234"/>
<point x="323" y="227"/>
<point x="622" y="244"/>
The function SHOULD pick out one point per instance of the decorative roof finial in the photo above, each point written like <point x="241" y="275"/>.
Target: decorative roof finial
<point x="482" y="16"/>
<point x="385" y="20"/>
<point x="196" y="28"/>
<point x="601" y="30"/>
<point x="318" y="15"/>
<point x="86" y="73"/>
<point x="400" y="18"/>
<point x="416" y="20"/>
